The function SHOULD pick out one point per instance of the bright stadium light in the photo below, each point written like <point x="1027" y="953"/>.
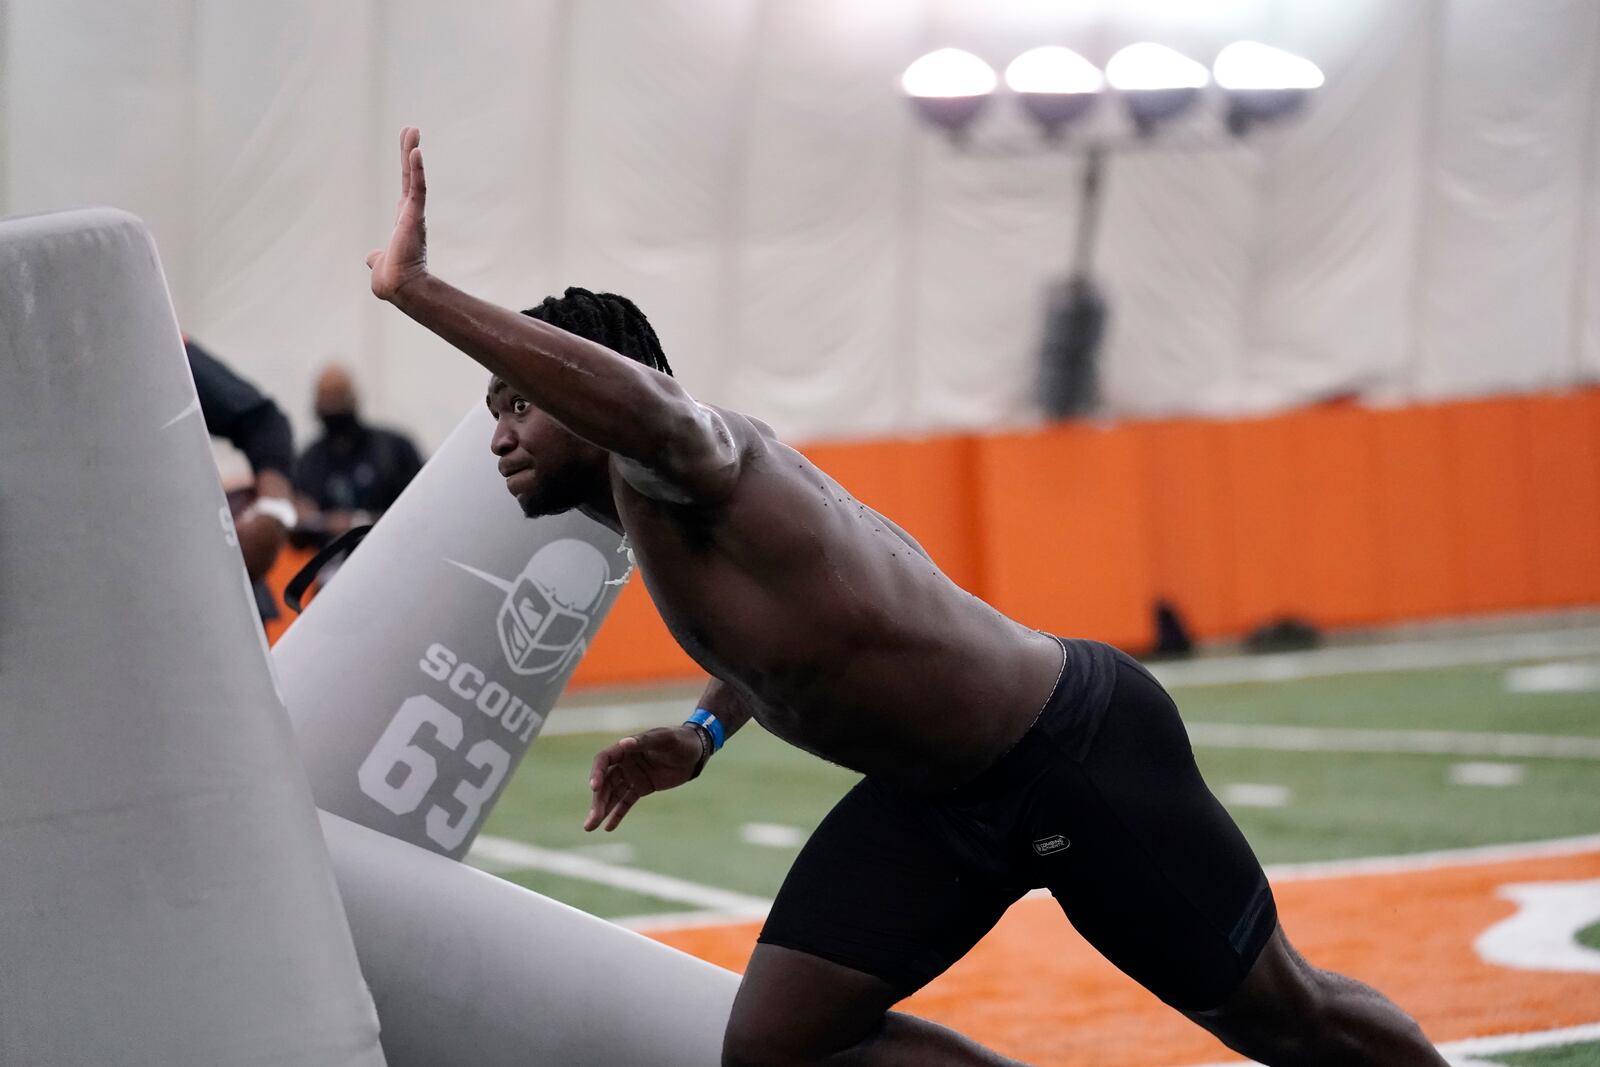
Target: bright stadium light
<point x="1053" y="69"/>
<point x="1055" y="84"/>
<point x="1250" y="65"/>
<point x="1156" y="82"/>
<point x="1262" y="82"/>
<point x="949" y="87"/>
<point x="948" y="72"/>
<point x="1150" y="66"/>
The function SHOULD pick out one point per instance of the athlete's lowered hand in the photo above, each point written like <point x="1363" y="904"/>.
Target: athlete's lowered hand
<point x="637" y="766"/>
<point x="406" y="257"/>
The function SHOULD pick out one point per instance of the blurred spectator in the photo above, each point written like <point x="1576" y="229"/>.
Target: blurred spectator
<point x="354" y="471"/>
<point x="239" y="412"/>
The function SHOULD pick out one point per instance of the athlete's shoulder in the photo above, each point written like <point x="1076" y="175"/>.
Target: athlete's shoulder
<point x="762" y="428"/>
<point x="746" y="429"/>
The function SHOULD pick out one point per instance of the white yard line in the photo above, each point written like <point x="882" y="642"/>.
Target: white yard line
<point x="1422" y="654"/>
<point x="1390" y="656"/>
<point x="1482" y="1046"/>
<point x="1552" y="678"/>
<point x="1426" y="742"/>
<point x="1432" y="861"/>
<point x="1254" y="794"/>
<point x="1488" y="775"/>
<point x="1419" y="654"/>
<point x="502" y="854"/>
<point x="772" y="835"/>
<point x="1465" y="1053"/>
<point x="631" y="717"/>
<point x="1276" y="873"/>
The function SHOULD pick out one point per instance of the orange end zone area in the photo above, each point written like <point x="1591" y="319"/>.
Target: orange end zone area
<point x="1035" y="990"/>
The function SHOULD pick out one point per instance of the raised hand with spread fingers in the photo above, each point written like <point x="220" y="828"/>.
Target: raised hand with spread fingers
<point x="406" y="257"/>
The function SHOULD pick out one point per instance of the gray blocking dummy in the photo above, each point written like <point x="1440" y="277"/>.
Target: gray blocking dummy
<point x="166" y="897"/>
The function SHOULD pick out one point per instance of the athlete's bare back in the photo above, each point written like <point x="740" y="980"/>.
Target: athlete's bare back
<point x="840" y="634"/>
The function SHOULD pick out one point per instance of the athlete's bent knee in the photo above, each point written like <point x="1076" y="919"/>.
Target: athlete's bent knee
<point x="752" y="1042"/>
<point x="742" y="1048"/>
<point x="751" y="1048"/>
<point x="794" y="1008"/>
<point x="1274" y="1012"/>
<point x="738" y="1054"/>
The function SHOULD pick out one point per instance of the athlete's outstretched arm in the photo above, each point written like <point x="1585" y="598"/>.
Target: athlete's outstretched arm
<point x="607" y="399"/>
<point x="724" y="701"/>
<point x="662" y="758"/>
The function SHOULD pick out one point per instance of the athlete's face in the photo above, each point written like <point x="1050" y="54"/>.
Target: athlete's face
<point x="547" y="469"/>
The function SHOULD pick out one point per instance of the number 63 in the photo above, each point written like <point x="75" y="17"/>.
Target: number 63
<point x="397" y="749"/>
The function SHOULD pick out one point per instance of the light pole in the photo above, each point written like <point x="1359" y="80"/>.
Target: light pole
<point x="1056" y="87"/>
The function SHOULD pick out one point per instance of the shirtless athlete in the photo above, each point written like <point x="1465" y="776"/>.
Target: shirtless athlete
<point x="997" y="758"/>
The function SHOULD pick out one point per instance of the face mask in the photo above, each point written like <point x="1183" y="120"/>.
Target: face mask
<point x="341" y="423"/>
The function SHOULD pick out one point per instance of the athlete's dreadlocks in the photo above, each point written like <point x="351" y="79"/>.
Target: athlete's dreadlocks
<point x="607" y="319"/>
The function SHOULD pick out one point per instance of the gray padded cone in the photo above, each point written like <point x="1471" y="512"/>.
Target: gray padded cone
<point x="417" y="679"/>
<point x="470" y="969"/>
<point x="165" y="894"/>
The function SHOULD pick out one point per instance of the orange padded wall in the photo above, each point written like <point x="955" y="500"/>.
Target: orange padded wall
<point x="1263" y="505"/>
<point x="1337" y="580"/>
<point x="1564" y="479"/>
<point x="1341" y="515"/>
<point x="1065" y="528"/>
<point x="1417" y="564"/>
<point x="1489" y="460"/>
<point x="1188" y="501"/>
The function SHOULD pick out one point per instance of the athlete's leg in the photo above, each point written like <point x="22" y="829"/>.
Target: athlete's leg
<point x="885" y="896"/>
<point x="1159" y="878"/>
<point x="1289" y="1012"/>
<point x="794" y="1008"/>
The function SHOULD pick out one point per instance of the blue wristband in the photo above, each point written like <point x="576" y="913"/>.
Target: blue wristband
<point x="702" y="717"/>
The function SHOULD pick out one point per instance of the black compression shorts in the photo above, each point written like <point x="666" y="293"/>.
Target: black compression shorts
<point x="1100" y="802"/>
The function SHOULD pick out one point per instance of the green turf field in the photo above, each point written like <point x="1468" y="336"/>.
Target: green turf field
<point x="1339" y="805"/>
<point x="1334" y="804"/>
<point x="1584" y="1055"/>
